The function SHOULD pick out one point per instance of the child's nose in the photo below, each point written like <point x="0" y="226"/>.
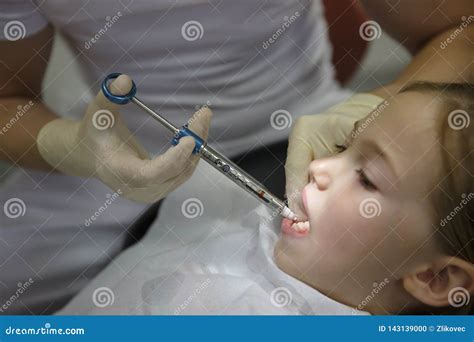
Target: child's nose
<point x="319" y="173"/>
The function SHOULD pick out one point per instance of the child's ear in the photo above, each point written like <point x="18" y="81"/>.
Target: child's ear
<point x="449" y="281"/>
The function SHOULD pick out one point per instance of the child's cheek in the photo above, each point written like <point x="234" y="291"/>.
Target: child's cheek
<point x="341" y="230"/>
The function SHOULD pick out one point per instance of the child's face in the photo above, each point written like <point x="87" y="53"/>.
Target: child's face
<point x="369" y="214"/>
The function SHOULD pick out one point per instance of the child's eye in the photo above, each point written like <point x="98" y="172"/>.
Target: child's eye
<point x="340" y="147"/>
<point x="366" y="183"/>
<point x="364" y="180"/>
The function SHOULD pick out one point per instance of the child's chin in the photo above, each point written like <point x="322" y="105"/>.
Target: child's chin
<point x="288" y="250"/>
<point x="281" y="258"/>
<point x="286" y="263"/>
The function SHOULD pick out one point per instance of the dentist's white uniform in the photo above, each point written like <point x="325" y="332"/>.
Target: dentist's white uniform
<point x="249" y="59"/>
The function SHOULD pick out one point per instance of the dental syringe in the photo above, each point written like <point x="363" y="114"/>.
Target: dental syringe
<point x="206" y="152"/>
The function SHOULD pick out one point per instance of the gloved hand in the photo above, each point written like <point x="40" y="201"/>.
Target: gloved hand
<point x="315" y="136"/>
<point x="101" y="145"/>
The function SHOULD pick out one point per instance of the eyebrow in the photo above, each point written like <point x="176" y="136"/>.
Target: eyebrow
<point x="380" y="153"/>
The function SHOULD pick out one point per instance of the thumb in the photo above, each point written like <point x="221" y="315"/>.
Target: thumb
<point x="120" y="86"/>
<point x="104" y="113"/>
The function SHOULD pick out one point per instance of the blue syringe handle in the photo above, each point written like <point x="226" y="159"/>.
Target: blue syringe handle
<point x="118" y="99"/>
<point x="186" y="132"/>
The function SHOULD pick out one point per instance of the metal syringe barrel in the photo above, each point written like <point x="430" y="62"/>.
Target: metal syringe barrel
<point x="218" y="161"/>
<point x="241" y="178"/>
<point x="214" y="158"/>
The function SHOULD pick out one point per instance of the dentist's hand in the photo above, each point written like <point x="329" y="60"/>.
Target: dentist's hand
<point x="101" y="145"/>
<point x="315" y="136"/>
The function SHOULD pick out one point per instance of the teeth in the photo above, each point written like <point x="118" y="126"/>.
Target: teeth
<point x="301" y="226"/>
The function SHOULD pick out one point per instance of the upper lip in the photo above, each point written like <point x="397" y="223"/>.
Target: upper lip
<point x="305" y="204"/>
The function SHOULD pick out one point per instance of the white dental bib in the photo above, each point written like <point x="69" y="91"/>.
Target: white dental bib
<point x="209" y="252"/>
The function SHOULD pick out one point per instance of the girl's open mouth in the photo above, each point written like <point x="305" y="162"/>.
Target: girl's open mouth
<point x="296" y="228"/>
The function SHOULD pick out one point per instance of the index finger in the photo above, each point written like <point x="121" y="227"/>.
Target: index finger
<point x="298" y="159"/>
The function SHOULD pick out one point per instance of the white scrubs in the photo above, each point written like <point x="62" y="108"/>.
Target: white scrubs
<point x="250" y="59"/>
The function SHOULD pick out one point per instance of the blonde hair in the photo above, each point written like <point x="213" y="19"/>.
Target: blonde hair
<point x="453" y="199"/>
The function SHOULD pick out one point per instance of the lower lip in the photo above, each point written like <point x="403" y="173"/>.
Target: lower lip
<point x="287" y="230"/>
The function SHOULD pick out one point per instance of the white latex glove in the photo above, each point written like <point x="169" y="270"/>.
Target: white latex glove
<point x="315" y="136"/>
<point x="101" y="145"/>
